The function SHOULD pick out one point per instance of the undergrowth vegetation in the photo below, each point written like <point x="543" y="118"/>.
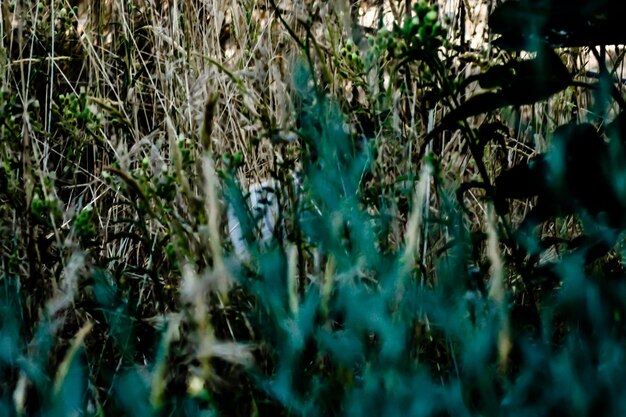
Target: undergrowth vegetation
<point x="437" y="221"/>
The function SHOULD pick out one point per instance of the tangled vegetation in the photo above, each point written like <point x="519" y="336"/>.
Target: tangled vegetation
<point x="438" y="228"/>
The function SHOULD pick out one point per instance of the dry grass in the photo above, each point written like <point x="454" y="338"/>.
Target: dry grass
<point x="116" y="147"/>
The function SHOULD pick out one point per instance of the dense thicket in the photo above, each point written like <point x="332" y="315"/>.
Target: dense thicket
<point x="311" y="209"/>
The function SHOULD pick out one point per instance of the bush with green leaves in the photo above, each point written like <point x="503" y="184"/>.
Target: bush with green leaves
<point x="376" y="334"/>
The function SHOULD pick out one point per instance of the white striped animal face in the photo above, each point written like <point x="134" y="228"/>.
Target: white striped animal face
<point x="264" y="200"/>
<point x="263" y="203"/>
